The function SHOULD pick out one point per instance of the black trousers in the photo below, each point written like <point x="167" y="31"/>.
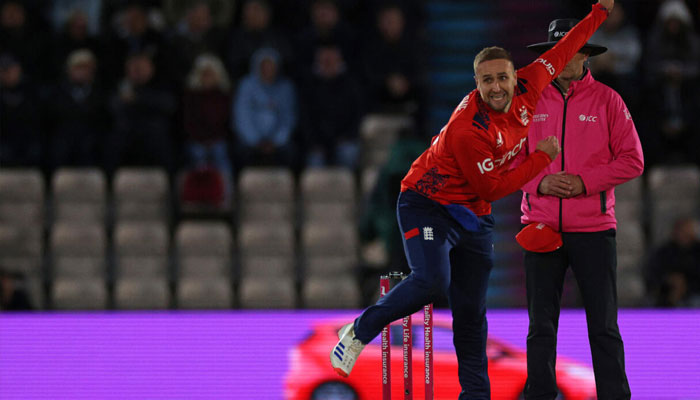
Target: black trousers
<point x="593" y="260"/>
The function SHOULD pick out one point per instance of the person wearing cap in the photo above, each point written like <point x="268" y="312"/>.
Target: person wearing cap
<point x="569" y="213"/>
<point x="444" y="208"/>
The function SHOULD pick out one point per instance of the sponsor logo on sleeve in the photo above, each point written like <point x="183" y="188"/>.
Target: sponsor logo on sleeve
<point x="488" y="164"/>
<point x="547" y="64"/>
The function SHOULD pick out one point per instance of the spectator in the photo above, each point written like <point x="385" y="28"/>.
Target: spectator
<point x="393" y="67"/>
<point x="326" y="28"/>
<point x="221" y="10"/>
<point x="255" y="32"/>
<point x="19" y="125"/>
<point x="673" y="272"/>
<point x="142" y="110"/>
<point x="206" y="109"/>
<point x="132" y="34"/>
<point x="673" y="52"/>
<point x="77" y="114"/>
<point x="17" y="37"/>
<point x="73" y="36"/>
<point x="13" y="295"/>
<point x="333" y="109"/>
<point x="194" y="36"/>
<point x="265" y="112"/>
<point x="619" y="66"/>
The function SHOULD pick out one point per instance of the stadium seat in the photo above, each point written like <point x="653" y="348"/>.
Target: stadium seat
<point x="267" y="292"/>
<point x="79" y="294"/>
<point x="141" y="249"/>
<point x="377" y="133"/>
<point x="141" y="194"/>
<point x="21" y="248"/>
<point x="78" y="250"/>
<point x="329" y="239"/>
<point x="674" y="191"/>
<point x="79" y="194"/>
<point x="141" y="294"/>
<point x="266" y="194"/>
<point x="204" y="294"/>
<point x="204" y="248"/>
<point x="21" y="197"/>
<point x="331" y="293"/>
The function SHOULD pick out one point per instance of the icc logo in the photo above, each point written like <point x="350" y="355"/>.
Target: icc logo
<point x="587" y="118"/>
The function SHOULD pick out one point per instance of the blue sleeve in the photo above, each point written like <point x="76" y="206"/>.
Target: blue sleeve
<point x="288" y="114"/>
<point x="243" y="115"/>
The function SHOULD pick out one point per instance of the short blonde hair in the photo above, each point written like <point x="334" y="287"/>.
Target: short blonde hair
<point x="492" y="53"/>
<point x="202" y="62"/>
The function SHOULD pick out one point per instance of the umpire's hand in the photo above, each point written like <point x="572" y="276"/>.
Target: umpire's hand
<point x="608" y="4"/>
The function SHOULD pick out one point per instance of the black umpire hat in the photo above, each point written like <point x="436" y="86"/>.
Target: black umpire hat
<point x="557" y="29"/>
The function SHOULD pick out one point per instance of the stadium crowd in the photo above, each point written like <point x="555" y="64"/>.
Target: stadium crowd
<point x="207" y="88"/>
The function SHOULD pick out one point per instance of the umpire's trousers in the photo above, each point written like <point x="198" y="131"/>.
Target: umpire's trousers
<point x="444" y="258"/>
<point x="593" y="260"/>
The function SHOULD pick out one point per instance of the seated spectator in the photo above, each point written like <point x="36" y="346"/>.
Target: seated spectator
<point x="77" y="114"/>
<point x="256" y="31"/>
<point x="18" y="37"/>
<point x="327" y="27"/>
<point x="332" y="112"/>
<point x="142" y="111"/>
<point x="673" y="55"/>
<point x="393" y="66"/>
<point x="618" y="67"/>
<point x="19" y="126"/>
<point x="132" y="33"/>
<point x="13" y="294"/>
<point x="194" y="36"/>
<point x="206" y="115"/>
<point x="673" y="272"/>
<point x="265" y="113"/>
<point x="73" y="36"/>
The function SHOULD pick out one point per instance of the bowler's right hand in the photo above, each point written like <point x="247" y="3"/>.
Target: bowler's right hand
<point x="549" y="145"/>
<point x="608" y="4"/>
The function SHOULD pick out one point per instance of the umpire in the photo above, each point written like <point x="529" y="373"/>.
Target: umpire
<point x="575" y="198"/>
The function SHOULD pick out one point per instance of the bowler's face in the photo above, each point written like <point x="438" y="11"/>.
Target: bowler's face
<point x="496" y="80"/>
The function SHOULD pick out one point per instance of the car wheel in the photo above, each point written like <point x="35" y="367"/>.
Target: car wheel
<point x="334" y="391"/>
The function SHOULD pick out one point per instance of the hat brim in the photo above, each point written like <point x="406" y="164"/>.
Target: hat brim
<point x="539" y="238"/>
<point x="593" y="49"/>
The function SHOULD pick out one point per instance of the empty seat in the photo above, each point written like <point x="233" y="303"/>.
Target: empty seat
<point x="78" y="250"/>
<point x="332" y="292"/>
<point x="264" y="239"/>
<point x="329" y="266"/>
<point x="266" y="194"/>
<point x="319" y="185"/>
<point x="141" y="194"/>
<point x="79" y="294"/>
<point x="21" y="197"/>
<point x="204" y="294"/>
<point x="267" y="292"/>
<point x="79" y="194"/>
<point x="267" y="267"/>
<point x="377" y="133"/>
<point x="141" y="249"/>
<point x="141" y="294"/>
<point x="204" y="249"/>
<point x="674" y="191"/>
<point x="328" y="239"/>
<point x="20" y="248"/>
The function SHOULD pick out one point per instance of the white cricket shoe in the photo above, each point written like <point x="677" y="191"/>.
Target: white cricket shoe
<point x="345" y="353"/>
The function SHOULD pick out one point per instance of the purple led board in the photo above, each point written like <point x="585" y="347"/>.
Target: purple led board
<point x="247" y="355"/>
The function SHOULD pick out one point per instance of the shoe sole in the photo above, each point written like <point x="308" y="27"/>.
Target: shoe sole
<point x="341" y="372"/>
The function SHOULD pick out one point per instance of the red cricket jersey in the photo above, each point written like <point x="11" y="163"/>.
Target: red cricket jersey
<point x="467" y="162"/>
